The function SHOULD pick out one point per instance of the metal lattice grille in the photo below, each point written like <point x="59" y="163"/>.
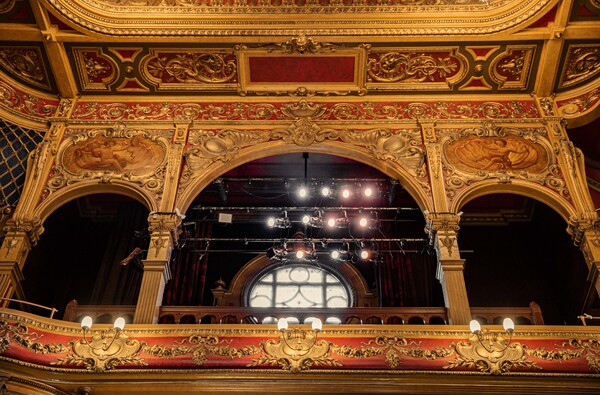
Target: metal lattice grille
<point x="15" y="145"/>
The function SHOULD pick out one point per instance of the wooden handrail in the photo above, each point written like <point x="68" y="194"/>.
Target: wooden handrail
<point x="351" y="315"/>
<point x="51" y="309"/>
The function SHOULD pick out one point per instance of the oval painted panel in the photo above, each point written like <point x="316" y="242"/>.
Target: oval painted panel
<point x="135" y="155"/>
<point x="507" y="153"/>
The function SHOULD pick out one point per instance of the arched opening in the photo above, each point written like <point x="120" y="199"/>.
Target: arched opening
<point x="517" y="251"/>
<point x="226" y="227"/>
<point x="80" y="254"/>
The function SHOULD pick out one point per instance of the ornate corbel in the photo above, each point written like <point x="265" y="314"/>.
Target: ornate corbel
<point x="296" y="350"/>
<point x="578" y="225"/>
<point x="105" y="350"/>
<point x="164" y="229"/>
<point x="490" y="353"/>
<point x="30" y="227"/>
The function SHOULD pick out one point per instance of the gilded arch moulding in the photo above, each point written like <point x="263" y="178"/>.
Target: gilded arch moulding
<point x="107" y="157"/>
<point x="144" y="18"/>
<point x="397" y="153"/>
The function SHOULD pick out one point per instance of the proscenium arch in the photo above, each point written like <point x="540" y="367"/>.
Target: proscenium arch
<point x="67" y="194"/>
<point x="530" y="190"/>
<point x="264" y="150"/>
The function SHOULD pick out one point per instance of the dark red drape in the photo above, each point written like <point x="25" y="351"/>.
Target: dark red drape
<point x="188" y="270"/>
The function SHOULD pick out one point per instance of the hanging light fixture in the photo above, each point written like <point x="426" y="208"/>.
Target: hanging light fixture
<point x="314" y="221"/>
<point x="278" y="253"/>
<point x="282" y="222"/>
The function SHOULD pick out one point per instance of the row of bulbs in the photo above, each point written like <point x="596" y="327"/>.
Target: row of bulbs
<point x="317" y="221"/>
<point x="345" y="192"/>
<point x="282" y="253"/>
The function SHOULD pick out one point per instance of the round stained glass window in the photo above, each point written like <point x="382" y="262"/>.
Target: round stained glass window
<point x="299" y="286"/>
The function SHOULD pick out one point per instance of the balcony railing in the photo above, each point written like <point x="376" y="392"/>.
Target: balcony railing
<point x="354" y="315"/>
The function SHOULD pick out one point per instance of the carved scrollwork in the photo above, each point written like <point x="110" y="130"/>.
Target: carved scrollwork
<point x="301" y="44"/>
<point x="577" y="348"/>
<point x="25" y="63"/>
<point x="403" y="147"/>
<point x="167" y="68"/>
<point x="394" y="349"/>
<point x="199" y="347"/>
<point x="583" y="63"/>
<point x="396" y="66"/>
<point x="495" y="357"/>
<point x="99" y="355"/>
<point x="296" y="350"/>
<point x="21" y="335"/>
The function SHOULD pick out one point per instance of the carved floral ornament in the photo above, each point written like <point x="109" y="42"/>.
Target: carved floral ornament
<point x="260" y="348"/>
<point x="401" y="146"/>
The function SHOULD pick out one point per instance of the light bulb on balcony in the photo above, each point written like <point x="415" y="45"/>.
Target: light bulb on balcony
<point x="363" y="222"/>
<point x="306" y="219"/>
<point x="475" y="326"/>
<point x="317" y="325"/>
<point x="335" y="254"/>
<point x="508" y="325"/>
<point x="299" y="254"/>
<point x="325" y="191"/>
<point x="346" y="193"/>
<point x="282" y="324"/>
<point x="271" y="222"/>
<point x="119" y="324"/>
<point x="368" y="192"/>
<point x="86" y="322"/>
<point x="331" y="222"/>
<point x="364" y="254"/>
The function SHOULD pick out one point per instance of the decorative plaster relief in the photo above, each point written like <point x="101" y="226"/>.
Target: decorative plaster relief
<point x="26" y="64"/>
<point x="582" y="64"/>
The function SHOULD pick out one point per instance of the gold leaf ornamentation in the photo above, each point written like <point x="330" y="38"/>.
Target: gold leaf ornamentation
<point x="491" y="355"/>
<point x="578" y="348"/>
<point x="396" y="66"/>
<point x="25" y="63"/>
<point x="186" y="68"/>
<point x="199" y="347"/>
<point x="21" y="335"/>
<point x="394" y="349"/>
<point x="296" y="350"/>
<point x="101" y="353"/>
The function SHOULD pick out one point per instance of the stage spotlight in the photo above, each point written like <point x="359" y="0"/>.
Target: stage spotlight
<point x="278" y="253"/>
<point x="364" y="254"/>
<point x="326" y="191"/>
<point x="314" y="221"/>
<point x="303" y="192"/>
<point x="282" y="222"/>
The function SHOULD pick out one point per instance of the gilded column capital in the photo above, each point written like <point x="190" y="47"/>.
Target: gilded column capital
<point x="586" y="224"/>
<point x="164" y="229"/>
<point x="442" y="222"/>
<point x="31" y="227"/>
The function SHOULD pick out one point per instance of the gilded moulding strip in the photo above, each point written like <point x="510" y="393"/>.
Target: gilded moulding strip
<point x="54" y="345"/>
<point x="174" y="24"/>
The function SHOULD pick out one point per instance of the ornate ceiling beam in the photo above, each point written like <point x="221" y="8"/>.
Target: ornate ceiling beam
<point x="183" y="18"/>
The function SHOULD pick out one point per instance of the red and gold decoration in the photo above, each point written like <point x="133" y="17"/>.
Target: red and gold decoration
<point x="47" y="343"/>
<point x="582" y="65"/>
<point x="26" y="64"/>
